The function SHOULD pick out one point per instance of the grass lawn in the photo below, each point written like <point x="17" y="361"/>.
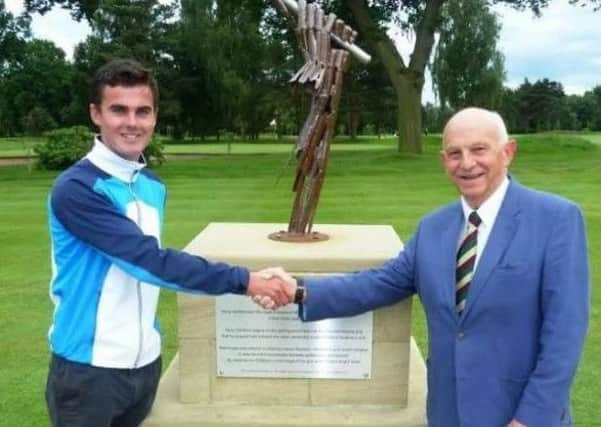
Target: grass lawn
<point x="367" y="186"/>
<point x="11" y="147"/>
<point x="18" y="146"/>
<point x="269" y="148"/>
<point x="593" y="137"/>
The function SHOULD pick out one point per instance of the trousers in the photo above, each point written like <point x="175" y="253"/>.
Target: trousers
<point x="79" y="395"/>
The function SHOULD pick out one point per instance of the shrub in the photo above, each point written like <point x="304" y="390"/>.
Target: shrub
<point x="63" y="147"/>
<point x="154" y="153"/>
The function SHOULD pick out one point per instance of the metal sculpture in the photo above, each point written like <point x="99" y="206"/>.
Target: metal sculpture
<point x="326" y="43"/>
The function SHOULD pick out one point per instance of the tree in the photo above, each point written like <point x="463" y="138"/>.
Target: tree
<point x="435" y="117"/>
<point x="79" y="8"/>
<point x="539" y="105"/>
<point x="14" y="33"/>
<point x="35" y="88"/>
<point x="37" y="121"/>
<point x="228" y="59"/>
<point x="509" y="109"/>
<point x="137" y="29"/>
<point x="239" y="52"/>
<point x="406" y="79"/>
<point x="40" y="83"/>
<point x="368" y="100"/>
<point x="422" y="19"/>
<point x="593" y="99"/>
<point x="467" y="67"/>
<point x="140" y="29"/>
<point x="372" y="18"/>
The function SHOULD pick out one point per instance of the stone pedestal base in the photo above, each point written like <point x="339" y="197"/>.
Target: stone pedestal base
<point x="192" y="394"/>
<point x="168" y="411"/>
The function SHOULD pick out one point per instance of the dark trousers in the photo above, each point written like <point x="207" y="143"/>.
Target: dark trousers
<point x="84" y="395"/>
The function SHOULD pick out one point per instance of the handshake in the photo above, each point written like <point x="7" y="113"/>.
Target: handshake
<point x="272" y="288"/>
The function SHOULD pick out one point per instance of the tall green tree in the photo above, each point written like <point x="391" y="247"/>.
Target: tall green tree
<point x="539" y="106"/>
<point x="120" y="28"/>
<point x="14" y="33"/>
<point x="592" y="101"/>
<point x="38" y="87"/>
<point x="570" y="119"/>
<point x="138" y="29"/>
<point x="227" y="60"/>
<point x="239" y="56"/>
<point x="467" y="68"/>
<point x="509" y="109"/>
<point x="368" y="100"/>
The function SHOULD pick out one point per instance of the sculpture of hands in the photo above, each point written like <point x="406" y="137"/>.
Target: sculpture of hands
<point x="321" y="76"/>
<point x="272" y="288"/>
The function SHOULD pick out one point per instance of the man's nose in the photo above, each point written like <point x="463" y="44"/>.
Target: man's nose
<point x="467" y="161"/>
<point x="131" y="118"/>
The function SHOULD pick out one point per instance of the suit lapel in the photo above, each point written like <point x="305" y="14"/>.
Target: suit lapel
<point x="500" y="237"/>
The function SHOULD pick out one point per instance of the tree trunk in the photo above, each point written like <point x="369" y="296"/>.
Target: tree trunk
<point x="407" y="79"/>
<point x="409" y="114"/>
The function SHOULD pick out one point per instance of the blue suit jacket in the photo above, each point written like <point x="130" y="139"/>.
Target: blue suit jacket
<point x="514" y="351"/>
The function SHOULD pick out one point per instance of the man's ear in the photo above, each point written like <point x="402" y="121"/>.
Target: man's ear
<point x="442" y="155"/>
<point x="95" y="113"/>
<point x="510" y="149"/>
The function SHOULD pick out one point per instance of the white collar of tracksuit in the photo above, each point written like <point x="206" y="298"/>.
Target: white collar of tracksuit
<point x="107" y="160"/>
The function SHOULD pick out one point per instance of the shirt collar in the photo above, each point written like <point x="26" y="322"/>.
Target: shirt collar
<point x="490" y="208"/>
<point x="113" y="164"/>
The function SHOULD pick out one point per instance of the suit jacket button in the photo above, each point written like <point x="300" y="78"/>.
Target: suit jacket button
<point x="460" y="335"/>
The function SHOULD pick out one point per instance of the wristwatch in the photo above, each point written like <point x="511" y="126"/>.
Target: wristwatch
<point x="299" y="294"/>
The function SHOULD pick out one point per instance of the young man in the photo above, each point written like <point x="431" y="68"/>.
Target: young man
<point x="503" y="278"/>
<point x="105" y="218"/>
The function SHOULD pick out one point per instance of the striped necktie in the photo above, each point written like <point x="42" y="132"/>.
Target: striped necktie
<point x="466" y="258"/>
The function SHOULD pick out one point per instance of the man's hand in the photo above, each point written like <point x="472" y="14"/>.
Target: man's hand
<point x="515" y="423"/>
<point x="270" y="289"/>
<point x="287" y="286"/>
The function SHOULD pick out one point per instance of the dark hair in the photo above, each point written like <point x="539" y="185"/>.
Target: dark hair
<point x="122" y="72"/>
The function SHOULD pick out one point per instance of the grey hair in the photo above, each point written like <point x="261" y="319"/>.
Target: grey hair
<point x="495" y="119"/>
<point x="500" y="125"/>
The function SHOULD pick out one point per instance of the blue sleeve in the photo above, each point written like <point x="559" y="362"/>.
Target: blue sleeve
<point x="565" y="311"/>
<point x="352" y="294"/>
<point x="96" y="221"/>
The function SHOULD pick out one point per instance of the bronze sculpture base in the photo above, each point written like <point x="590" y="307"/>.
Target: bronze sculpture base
<point x="289" y="236"/>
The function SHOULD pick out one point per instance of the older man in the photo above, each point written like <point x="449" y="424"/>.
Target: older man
<point x="503" y="278"/>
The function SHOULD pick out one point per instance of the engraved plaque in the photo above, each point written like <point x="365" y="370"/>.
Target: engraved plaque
<point x="252" y="342"/>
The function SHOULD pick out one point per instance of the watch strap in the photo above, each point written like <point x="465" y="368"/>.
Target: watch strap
<point x="299" y="294"/>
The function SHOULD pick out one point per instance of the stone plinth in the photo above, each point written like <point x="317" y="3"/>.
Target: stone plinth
<point x="191" y="393"/>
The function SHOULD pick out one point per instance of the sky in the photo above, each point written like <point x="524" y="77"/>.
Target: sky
<point x="563" y="45"/>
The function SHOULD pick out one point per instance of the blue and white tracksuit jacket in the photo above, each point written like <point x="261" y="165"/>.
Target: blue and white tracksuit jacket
<point x="105" y="219"/>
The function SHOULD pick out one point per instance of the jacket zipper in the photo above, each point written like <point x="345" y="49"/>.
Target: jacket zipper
<point x="138" y="283"/>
